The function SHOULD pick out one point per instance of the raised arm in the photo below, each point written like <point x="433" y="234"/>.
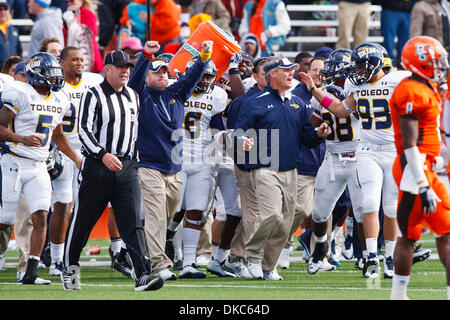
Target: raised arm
<point x="339" y="108"/>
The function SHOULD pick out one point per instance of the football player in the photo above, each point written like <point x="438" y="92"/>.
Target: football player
<point x="65" y="186"/>
<point x="31" y="116"/>
<point x="370" y="95"/>
<point x="206" y="101"/>
<point x="225" y="180"/>
<point x="423" y="198"/>
<point x="338" y="170"/>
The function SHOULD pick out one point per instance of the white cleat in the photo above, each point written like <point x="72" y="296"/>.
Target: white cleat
<point x="238" y="268"/>
<point x="272" y="275"/>
<point x="216" y="267"/>
<point x="255" y="270"/>
<point x="283" y="262"/>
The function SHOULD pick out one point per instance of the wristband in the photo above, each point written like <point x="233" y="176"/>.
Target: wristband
<point x="24" y="140"/>
<point x="233" y="71"/>
<point x="205" y="55"/>
<point x="148" y="55"/>
<point x="78" y="160"/>
<point x="326" y="102"/>
<point x="312" y="89"/>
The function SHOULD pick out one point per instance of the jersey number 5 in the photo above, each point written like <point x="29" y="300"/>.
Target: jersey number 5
<point x="43" y="127"/>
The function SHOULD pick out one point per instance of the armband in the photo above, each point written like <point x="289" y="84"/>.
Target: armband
<point x="326" y="102"/>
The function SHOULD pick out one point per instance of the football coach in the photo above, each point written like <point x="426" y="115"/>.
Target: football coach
<point x="159" y="138"/>
<point x="276" y="122"/>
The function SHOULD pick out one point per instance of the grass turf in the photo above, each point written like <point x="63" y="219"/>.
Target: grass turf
<point x="428" y="282"/>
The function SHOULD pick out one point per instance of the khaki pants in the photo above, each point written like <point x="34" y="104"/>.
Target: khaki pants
<point x="304" y="203"/>
<point x="276" y="193"/>
<point x="353" y="20"/>
<point x="161" y="194"/>
<point x="250" y="214"/>
<point x="23" y="227"/>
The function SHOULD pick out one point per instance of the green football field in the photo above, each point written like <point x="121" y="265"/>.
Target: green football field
<point x="100" y="282"/>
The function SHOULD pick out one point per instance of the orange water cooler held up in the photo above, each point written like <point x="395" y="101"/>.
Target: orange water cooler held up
<point x="223" y="48"/>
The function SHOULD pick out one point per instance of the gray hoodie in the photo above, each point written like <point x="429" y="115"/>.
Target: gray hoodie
<point x="48" y="24"/>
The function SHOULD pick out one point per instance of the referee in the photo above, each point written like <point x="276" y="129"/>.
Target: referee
<point x="108" y="131"/>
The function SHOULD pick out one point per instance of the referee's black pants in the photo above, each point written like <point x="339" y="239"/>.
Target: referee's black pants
<point x="99" y="186"/>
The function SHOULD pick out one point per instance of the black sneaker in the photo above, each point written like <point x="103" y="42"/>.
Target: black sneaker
<point x="147" y="282"/>
<point x="372" y="266"/>
<point x="420" y="255"/>
<point x="34" y="279"/>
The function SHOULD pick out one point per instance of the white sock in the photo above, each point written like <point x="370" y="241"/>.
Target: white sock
<point x="336" y="232"/>
<point x="448" y="292"/>
<point x="173" y="226"/>
<point x="390" y="246"/>
<point x="56" y="251"/>
<point x="365" y="254"/>
<point x="348" y="226"/>
<point x="320" y="239"/>
<point x="372" y="245"/>
<point x="399" y="285"/>
<point x="190" y="242"/>
<point x="222" y="254"/>
<point x="214" y="248"/>
<point x="116" y="245"/>
<point x="123" y="245"/>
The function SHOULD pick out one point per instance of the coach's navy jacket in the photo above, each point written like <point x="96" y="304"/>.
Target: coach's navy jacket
<point x="289" y="116"/>
<point x="160" y="114"/>
<point x="312" y="158"/>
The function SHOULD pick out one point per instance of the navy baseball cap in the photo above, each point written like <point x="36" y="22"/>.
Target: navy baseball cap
<point x="284" y="63"/>
<point x="154" y="66"/>
<point x="4" y="3"/>
<point x="118" y="58"/>
<point x="20" y="68"/>
<point x="323" y="52"/>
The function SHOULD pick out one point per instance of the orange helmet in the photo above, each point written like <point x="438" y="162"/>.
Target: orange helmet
<point x="426" y="57"/>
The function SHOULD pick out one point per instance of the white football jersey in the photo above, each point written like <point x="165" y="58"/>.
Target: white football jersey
<point x="345" y="130"/>
<point x="198" y="111"/>
<point x="74" y="94"/>
<point x="34" y="115"/>
<point x="4" y="78"/>
<point x="373" y="107"/>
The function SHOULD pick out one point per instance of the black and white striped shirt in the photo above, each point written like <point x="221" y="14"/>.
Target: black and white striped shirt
<point x="108" y="121"/>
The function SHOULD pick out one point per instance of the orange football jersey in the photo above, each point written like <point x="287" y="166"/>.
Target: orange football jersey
<point x="417" y="99"/>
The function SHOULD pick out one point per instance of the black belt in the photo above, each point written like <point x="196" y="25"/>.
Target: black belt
<point x="123" y="157"/>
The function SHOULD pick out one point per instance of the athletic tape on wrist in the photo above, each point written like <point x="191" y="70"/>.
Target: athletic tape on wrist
<point x="205" y="55"/>
<point x="347" y="107"/>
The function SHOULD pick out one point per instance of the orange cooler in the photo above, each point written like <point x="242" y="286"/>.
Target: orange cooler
<point x="223" y="48"/>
